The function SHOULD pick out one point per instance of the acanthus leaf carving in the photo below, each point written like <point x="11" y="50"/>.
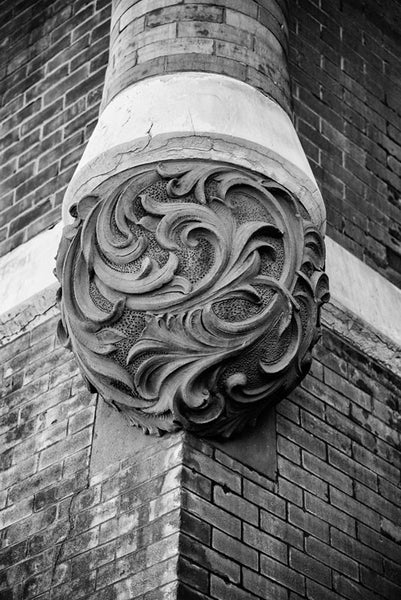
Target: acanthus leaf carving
<point x="191" y="294"/>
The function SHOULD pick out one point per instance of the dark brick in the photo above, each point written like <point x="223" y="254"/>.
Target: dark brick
<point x="196" y="528"/>
<point x="236" y="505"/>
<point x="378" y="542"/>
<point x="310" y="567"/>
<point x="352" y="548"/>
<point x="263" y="587"/>
<point x="282" y="574"/>
<point x="209" y="559"/>
<point x="32" y="214"/>
<point x="329" y="513"/>
<point x="354" y="508"/>
<point x="221" y="590"/>
<point x="351" y="590"/>
<point x="315" y="591"/>
<point x="353" y="469"/>
<point x="184" y="592"/>
<point x="193" y="575"/>
<point x="197" y="483"/>
<point x="206" y="466"/>
<point x="281" y="529"/>
<point x="263" y="498"/>
<point x="332" y="558"/>
<point x="87" y="83"/>
<point x="380" y="585"/>
<point x="308" y="523"/>
<point x="212" y="514"/>
<point x="349" y="428"/>
<point x="327" y="473"/>
<point x="265" y="543"/>
<point x="303" y="479"/>
<point x="291" y="492"/>
<point x="376" y="463"/>
<point x="301" y="437"/>
<point x="234" y="549"/>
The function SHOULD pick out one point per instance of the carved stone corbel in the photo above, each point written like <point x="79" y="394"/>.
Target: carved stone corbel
<point x="191" y="292"/>
<point x="191" y="264"/>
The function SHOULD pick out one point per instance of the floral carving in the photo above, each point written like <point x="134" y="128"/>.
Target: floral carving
<point x="191" y="294"/>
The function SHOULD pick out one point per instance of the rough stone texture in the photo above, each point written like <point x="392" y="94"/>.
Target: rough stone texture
<point x="182" y="519"/>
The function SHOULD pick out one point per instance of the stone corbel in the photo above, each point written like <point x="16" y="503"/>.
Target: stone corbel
<point x="192" y="259"/>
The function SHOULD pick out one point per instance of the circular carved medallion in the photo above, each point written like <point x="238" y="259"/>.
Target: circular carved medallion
<point x="191" y="294"/>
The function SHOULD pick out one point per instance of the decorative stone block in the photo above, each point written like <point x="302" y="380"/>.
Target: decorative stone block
<point x="191" y="293"/>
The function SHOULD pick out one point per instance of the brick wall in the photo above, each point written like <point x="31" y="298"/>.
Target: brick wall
<point x="182" y="517"/>
<point x="345" y="66"/>
<point x="328" y="527"/>
<point x="59" y="530"/>
<point x="53" y="57"/>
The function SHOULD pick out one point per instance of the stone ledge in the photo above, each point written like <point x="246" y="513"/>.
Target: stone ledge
<point x="361" y="335"/>
<point x="28" y="314"/>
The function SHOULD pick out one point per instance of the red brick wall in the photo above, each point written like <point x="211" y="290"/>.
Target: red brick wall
<point x="182" y="513"/>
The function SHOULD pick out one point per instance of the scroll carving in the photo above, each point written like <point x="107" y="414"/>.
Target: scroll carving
<point x="190" y="294"/>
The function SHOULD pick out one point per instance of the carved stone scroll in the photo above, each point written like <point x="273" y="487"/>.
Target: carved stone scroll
<point x="190" y="294"/>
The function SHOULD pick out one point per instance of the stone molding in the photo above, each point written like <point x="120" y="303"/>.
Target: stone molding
<point x="28" y="269"/>
<point x="195" y="121"/>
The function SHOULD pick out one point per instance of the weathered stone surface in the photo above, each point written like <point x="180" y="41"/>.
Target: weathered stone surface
<point x="196" y="115"/>
<point x="191" y="294"/>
